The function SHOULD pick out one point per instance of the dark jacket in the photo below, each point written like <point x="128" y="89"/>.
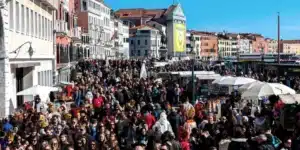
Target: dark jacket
<point x="266" y="146"/>
<point x="238" y="144"/>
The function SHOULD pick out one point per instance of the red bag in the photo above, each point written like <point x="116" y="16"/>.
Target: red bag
<point x="97" y="102"/>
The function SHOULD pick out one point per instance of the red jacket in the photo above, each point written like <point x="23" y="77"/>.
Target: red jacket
<point x="69" y="90"/>
<point x="150" y="120"/>
<point x="185" y="145"/>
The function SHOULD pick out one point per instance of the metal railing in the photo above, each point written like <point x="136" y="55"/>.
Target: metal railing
<point x="76" y="32"/>
<point x="61" y="26"/>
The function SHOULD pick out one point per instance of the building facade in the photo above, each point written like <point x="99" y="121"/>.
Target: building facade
<point x="120" y="39"/>
<point x="196" y="45"/>
<point x="291" y="46"/>
<point x="144" y="42"/>
<point x="68" y="39"/>
<point x="272" y="45"/>
<point x="244" y="45"/>
<point x="259" y="44"/>
<point x="29" y="60"/>
<point x="97" y="28"/>
<point x="227" y="45"/>
<point x="172" y="18"/>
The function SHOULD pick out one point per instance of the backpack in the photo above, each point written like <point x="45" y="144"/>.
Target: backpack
<point x="275" y="141"/>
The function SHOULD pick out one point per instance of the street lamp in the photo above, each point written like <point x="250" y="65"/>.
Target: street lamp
<point x="192" y="42"/>
<point x="30" y="49"/>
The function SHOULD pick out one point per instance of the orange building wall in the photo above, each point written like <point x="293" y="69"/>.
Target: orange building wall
<point x="207" y="43"/>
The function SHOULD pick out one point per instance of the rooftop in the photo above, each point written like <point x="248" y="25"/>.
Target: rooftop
<point x="141" y="12"/>
<point x="291" y="41"/>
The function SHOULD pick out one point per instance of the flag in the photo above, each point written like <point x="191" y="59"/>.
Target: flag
<point x="143" y="73"/>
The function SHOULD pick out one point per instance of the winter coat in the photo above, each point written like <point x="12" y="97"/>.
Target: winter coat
<point x="238" y="144"/>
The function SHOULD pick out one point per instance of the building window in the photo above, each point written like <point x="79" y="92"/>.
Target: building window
<point x="138" y="53"/>
<point x="39" y="78"/>
<point x="40" y="25"/>
<point x="146" y="52"/>
<point x="17" y="16"/>
<point x="139" y="42"/>
<point x="146" y="42"/>
<point x="31" y="23"/>
<point x="27" y="21"/>
<point x="36" y="24"/>
<point x="131" y="42"/>
<point x="43" y="28"/>
<point x="22" y="19"/>
<point x="51" y="31"/>
<point x="47" y="29"/>
<point x="11" y="15"/>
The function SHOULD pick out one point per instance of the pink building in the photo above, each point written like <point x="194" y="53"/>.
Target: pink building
<point x="259" y="44"/>
<point x="67" y="37"/>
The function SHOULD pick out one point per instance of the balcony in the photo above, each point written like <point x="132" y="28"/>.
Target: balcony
<point x="61" y="26"/>
<point x="53" y="4"/>
<point x="76" y="32"/>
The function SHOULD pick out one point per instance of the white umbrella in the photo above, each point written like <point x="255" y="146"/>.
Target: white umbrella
<point x="37" y="89"/>
<point x="247" y="86"/>
<point x="290" y="98"/>
<point x="220" y="79"/>
<point x="236" y="81"/>
<point x="267" y="89"/>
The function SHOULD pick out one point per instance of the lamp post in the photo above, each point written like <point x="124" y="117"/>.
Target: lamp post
<point x="192" y="41"/>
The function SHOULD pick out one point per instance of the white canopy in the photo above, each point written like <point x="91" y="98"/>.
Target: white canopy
<point x="267" y="89"/>
<point x="208" y="76"/>
<point x="247" y="86"/>
<point x="216" y="81"/>
<point x="196" y="73"/>
<point x="236" y="81"/>
<point x="290" y="98"/>
<point x="160" y="64"/>
<point x="43" y="91"/>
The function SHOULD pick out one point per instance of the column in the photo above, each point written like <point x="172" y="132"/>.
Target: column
<point x="5" y="81"/>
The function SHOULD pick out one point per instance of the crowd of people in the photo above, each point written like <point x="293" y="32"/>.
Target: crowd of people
<point x="110" y="107"/>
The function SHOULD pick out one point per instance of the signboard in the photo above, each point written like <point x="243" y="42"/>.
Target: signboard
<point x="179" y="37"/>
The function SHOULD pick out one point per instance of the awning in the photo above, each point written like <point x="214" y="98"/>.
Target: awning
<point x="24" y="65"/>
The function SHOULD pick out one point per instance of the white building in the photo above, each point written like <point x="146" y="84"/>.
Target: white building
<point x="227" y="45"/>
<point x="145" y="42"/>
<point x="196" y="46"/>
<point x="244" y="46"/>
<point x="272" y="45"/>
<point x="94" y="19"/>
<point x="27" y="23"/>
<point x="120" y="39"/>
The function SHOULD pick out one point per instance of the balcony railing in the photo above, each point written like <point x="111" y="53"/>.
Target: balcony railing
<point x="53" y="4"/>
<point x="61" y="26"/>
<point x="76" y="32"/>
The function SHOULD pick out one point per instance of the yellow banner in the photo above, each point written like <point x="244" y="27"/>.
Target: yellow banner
<point x="179" y="37"/>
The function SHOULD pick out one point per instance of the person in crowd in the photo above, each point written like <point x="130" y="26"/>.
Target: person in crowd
<point x="108" y="106"/>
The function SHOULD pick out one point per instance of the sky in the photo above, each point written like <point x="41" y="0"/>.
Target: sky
<point x="254" y="16"/>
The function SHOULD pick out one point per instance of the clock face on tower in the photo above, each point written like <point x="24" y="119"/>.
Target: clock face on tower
<point x="179" y="37"/>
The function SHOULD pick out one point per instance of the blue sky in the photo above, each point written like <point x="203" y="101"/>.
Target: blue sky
<point x="257" y="16"/>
